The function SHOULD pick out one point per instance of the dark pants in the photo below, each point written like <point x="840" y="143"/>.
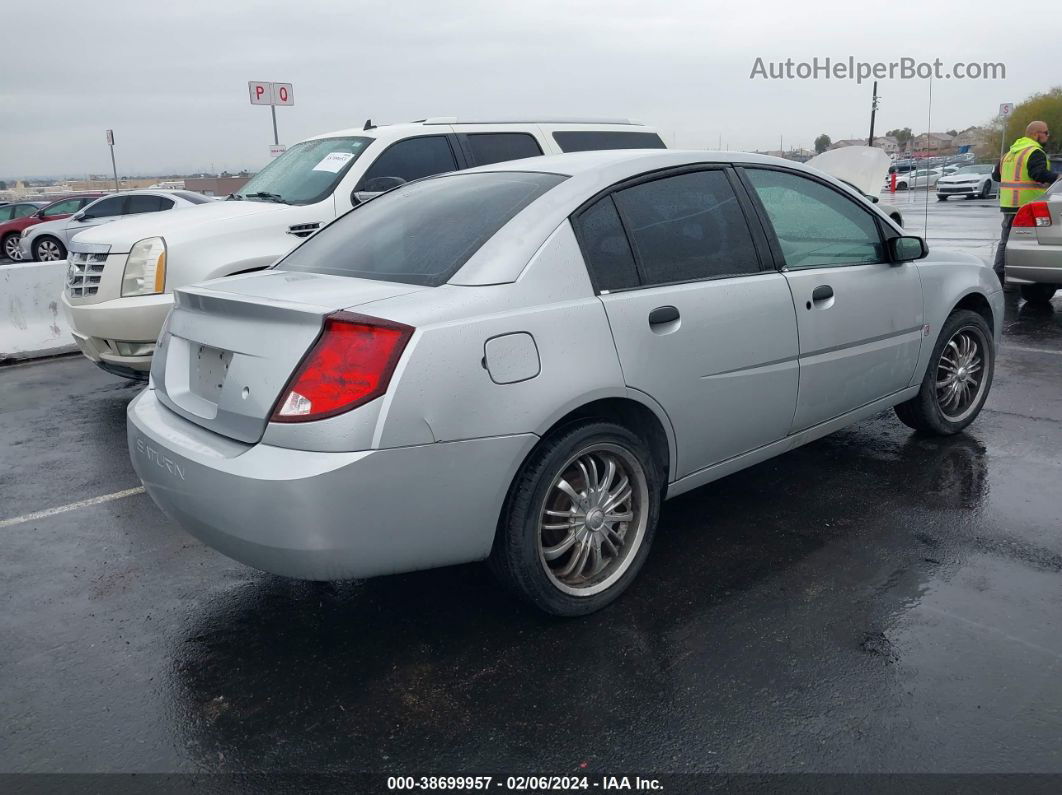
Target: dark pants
<point x="1001" y="249"/>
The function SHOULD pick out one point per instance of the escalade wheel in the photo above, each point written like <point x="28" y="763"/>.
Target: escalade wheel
<point x="957" y="380"/>
<point x="10" y="248"/>
<point x="48" y="249"/>
<point x="579" y="519"/>
<point x="1038" y="293"/>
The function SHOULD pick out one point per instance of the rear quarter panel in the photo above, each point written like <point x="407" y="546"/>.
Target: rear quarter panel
<point x="947" y="278"/>
<point x="442" y="390"/>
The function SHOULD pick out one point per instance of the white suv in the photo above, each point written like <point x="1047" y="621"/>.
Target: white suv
<point x="135" y="264"/>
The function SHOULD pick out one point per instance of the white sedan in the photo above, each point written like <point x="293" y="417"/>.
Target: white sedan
<point x="49" y="241"/>
<point x="919" y="178"/>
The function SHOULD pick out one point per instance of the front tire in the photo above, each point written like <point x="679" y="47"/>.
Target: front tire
<point x="10" y="248"/>
<point x="957" y="380"/>
<point x="49" y="249"/>
<point x="1038" y="293"/>
<point x="579" y="519"/>
<point x="941" y="198"/>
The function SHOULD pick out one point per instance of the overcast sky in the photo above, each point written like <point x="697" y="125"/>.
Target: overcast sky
<point x="171" y="77"/>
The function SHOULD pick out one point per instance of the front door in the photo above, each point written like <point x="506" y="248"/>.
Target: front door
<point x="859" y="316"/>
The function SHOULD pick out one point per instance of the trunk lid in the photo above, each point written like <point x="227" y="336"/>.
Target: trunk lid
<point x="230" y="345"/>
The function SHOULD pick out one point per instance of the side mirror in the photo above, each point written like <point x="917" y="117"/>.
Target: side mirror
<point x="79" y="217"/>
<point x="381" y="184"/>
<point x="907" y="248"/>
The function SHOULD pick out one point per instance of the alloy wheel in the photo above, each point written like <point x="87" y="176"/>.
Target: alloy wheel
<point x="48" y="251"/>
<point x="11" y="249"/>
<point x="593" y="519"/>
<point x="961" y="374"/>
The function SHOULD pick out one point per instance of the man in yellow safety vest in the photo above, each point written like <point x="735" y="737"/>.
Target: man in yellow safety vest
<point x="1023" y="173"/>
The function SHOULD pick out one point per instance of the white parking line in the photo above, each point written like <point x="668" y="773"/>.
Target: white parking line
<point x="29" y="517"/>
<point x="1030" y="350"/>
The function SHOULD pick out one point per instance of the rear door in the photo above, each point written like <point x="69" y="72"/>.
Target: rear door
<point x="860" y="317"/>
<point x="698" y="322"/>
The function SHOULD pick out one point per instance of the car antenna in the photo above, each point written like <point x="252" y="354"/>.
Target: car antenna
<point x="929" y="129"/>
<point x="369" y="125"/>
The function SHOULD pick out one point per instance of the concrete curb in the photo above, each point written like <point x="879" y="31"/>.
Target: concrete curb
<point x="31" y="324"/>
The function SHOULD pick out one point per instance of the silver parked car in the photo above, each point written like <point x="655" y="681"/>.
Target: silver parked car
<point x="49" y="241"/>
<point x="521" y="361"/>
<point x="1034" y="249"/>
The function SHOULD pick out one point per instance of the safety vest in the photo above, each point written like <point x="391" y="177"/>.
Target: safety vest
<point x="1015" y="186"/>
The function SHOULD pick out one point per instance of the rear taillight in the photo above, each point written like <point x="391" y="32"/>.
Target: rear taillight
<point x="1033" y="214"/>
<point x="350" y="364"/>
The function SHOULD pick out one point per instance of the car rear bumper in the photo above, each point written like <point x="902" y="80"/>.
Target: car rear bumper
<point x="120" y="332"/>
<point x="1030" y="262"/>
<point x="325" y="516"/>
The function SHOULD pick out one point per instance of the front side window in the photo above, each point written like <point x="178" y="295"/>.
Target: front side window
<point x="593" y="140"/>
<point x="490" y="148"/>
<point x="421" y="233"/>
<point x="686" y="227"/>
<point x="410" y="159"/>
<point x="63" y="208"/>
<point x="105" y="208"/>
<point x="816" y="226"/>
<point x="305" y="174"/>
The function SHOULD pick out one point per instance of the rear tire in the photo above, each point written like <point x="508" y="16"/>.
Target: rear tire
<point x="1038" y="293"/>
<point x="562" y="553"/>
<point x="949" y="399"/>
<point x="49" y="249"/>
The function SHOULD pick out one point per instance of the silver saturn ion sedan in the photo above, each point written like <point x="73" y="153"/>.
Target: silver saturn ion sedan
<point x="519" y="362"/>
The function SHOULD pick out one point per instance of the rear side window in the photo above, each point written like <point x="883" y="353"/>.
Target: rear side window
<point x="490" y="148"/>
<point x="689" y="226"/>
<point x="605" y="246"/>
<point x="816" y="226"/>
<point x="421" y="233"/>
<point x="592" y="140"/>
<point x="22" y="210"/>
<point x="147" y="204"/>
<point x="412" y="159"/>
<point x="5" y="213"/>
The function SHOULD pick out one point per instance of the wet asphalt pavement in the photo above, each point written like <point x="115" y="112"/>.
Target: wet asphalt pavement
<point x="875" y="601"/>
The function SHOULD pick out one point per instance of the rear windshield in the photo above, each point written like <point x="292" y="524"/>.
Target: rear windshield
<point x="421" y="233"/>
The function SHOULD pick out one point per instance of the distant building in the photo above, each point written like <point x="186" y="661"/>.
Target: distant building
<point x="888" y="144"/>
<point x="937" y="143"/>
<point x="107" y="183"/>
<point x="848" y="142"/>
<point x="216" y="186"/>
<point x="969" y="138"/>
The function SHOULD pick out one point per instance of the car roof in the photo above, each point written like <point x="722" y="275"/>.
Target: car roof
<point x="501" y="258"/>
<point x="404" y="129"/>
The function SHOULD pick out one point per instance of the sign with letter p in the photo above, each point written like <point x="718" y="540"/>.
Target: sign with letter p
<point x="261" y="93"/>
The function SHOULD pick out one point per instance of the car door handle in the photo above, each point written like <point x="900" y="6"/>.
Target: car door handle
<point x="663" y="314"/>
<point x="822" y="293"/>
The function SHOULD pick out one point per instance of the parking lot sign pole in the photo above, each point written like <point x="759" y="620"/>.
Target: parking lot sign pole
<point x="110" y="143"/>
<point x="1005" y="109"/>
<point x="271" y="94"/>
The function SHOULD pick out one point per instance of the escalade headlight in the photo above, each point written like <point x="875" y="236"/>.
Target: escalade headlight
<point x="145" y="268"/>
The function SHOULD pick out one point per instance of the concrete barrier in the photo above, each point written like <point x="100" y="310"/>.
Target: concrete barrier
<point x="31" y="323"/>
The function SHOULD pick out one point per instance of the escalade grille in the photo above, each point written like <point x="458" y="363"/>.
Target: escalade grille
<point x="84" y="273"/>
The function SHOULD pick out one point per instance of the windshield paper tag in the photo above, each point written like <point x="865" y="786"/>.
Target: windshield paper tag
<point x="334" y="161"/>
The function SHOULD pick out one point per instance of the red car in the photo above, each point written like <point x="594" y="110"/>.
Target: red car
<point x="17" y="216"/>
